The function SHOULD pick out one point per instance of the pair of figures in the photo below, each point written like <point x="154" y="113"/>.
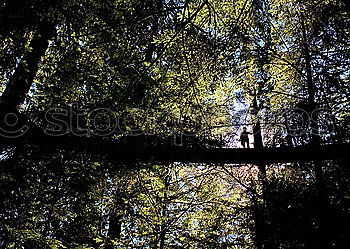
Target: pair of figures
<point x="244" y="138"/>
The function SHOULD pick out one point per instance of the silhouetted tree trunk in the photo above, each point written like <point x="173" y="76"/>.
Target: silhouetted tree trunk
<point x="115" y="223"/>
<point x="263" y="234"/>
<point x="315" y="142"/>
<point x="154" y="29"/>
<point x="22" y="79"/>
<point x="162" y="235"/>
<point x="115" y="226"/>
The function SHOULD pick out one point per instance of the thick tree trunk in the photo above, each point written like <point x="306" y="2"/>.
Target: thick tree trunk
<point x="13" y="123"/>
<point x="259" y="222"/>
<point x="115" y="223"/>
<point x="321" y="197"/>
<point x="263" y="234"/>
<point x="115" y="227"/>
<point x="22" y="79"/>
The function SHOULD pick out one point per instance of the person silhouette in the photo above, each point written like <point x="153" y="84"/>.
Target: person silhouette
<point x="244" y="138"/>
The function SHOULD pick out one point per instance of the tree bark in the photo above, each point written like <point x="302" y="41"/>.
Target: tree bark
<point x="321" y="197"/>
<point x="162" y="234"/>
<point x="22" y="79"/>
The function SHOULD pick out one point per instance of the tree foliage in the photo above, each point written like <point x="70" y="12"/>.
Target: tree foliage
<point x="189" y="73"/>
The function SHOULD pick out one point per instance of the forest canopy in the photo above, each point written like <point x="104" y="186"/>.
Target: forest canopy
<point x="121" y="124"/>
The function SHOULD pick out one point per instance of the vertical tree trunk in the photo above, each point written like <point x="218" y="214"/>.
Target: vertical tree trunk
<point x="115" y="226"/>
<point x="154" y="29"/>
<point x="115" y="223"/>
<point x="162" y="234"/>
<point x="264" y="234"/>
<point x="322" y="202"/>
<point x="259" y="224"/>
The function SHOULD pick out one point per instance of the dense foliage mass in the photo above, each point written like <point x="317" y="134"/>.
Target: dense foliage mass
<point x="78" y="75"/>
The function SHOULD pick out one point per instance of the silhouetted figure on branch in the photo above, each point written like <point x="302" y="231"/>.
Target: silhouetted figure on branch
<point x="244" y="138"/>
